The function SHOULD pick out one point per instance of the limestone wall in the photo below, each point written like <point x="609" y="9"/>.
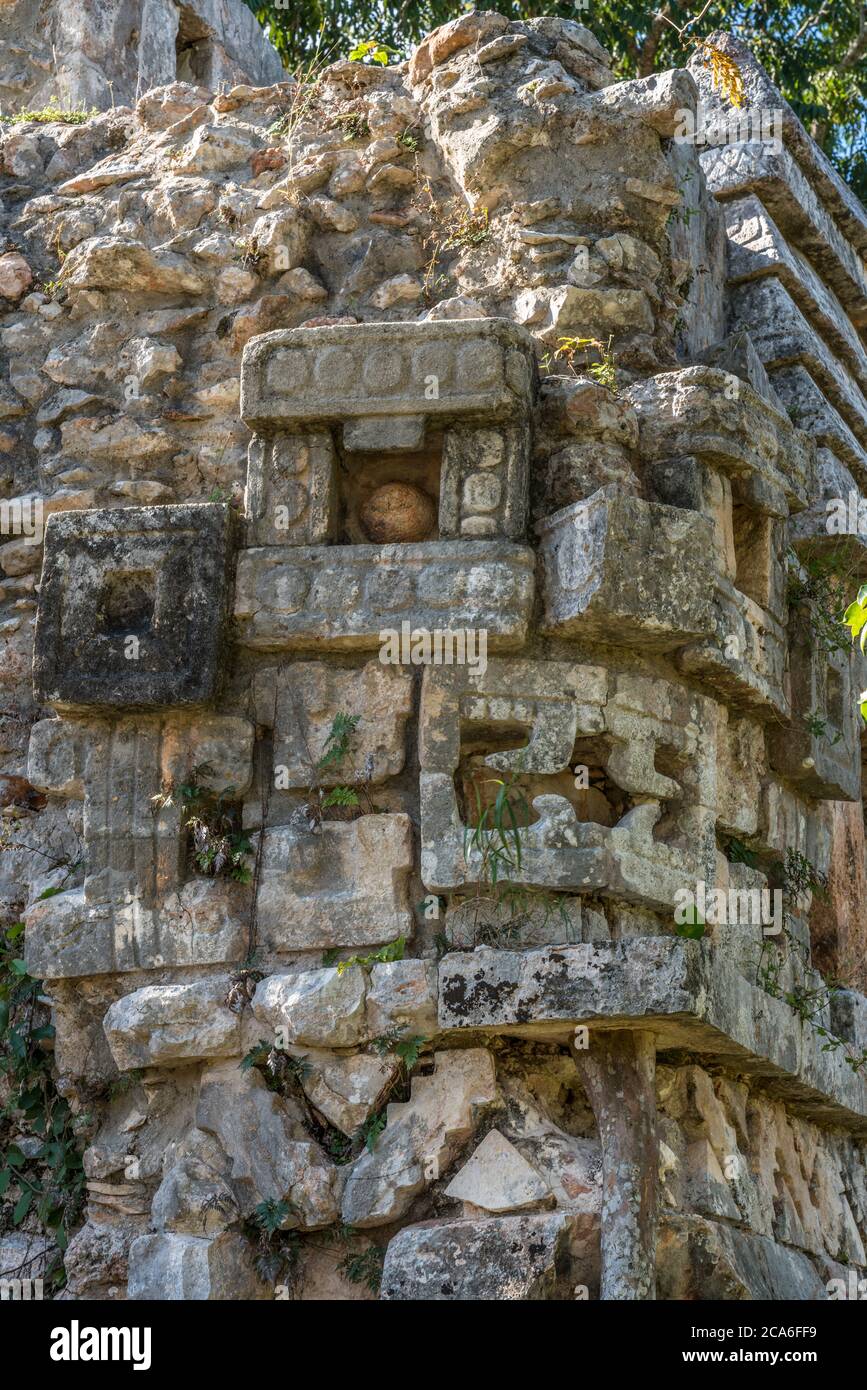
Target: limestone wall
<point x="98" y="54"/>
<point x="286" y="396"/>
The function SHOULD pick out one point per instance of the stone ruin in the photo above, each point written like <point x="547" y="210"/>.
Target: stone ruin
<point x="293" y="377"/>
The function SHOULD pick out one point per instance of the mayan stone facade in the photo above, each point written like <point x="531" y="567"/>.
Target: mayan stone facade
<point x="382" y="670"/>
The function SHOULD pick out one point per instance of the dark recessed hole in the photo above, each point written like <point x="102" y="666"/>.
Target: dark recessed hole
<point x="126" y="604"/>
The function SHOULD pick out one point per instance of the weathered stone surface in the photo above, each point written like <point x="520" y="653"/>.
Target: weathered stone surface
<point x="734" y="170"/>
<point x="158" y="575"/>
<point x="574" y="842"/>
<point x="421" y="1137"/>
<point x="319" y="1007"/>
<point x="97" y="56"/>
<point x="203" y="924"/>
<point x="497" y="1179"/>
<point x="348" y="1090"/>
<point x="345" y="885"/>
<point x="164" y="1025"/>
<point x="610" y="570"/>
<point x="683" y="990"/>
<point x="402" y="994"/>
<point x="782" y="336"/>
<point x="561" y="200"/>
<point x="712" y="414"/>
<point x="719" y="1262"/>
<point x="298" y="703"/>
<point x="757" y="247"/>
<point x="507" y="1257"/>
<point x="174" y="1267"/>
<point x="310" y="376"/>
<point x="342" y="599"/>
<point x="284" y="1165"/>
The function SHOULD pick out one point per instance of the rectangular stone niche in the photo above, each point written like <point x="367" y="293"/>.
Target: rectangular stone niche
<point x="389" y="433"/>
<point x="133" y="606"/>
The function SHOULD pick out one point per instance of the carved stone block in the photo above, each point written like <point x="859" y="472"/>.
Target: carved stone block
<point x="341" y="599"/>
<point x="364" y="376"/>
<point x="133" y="606"/>
<point x="344" y="886"/>
<point x="618" y="569"/>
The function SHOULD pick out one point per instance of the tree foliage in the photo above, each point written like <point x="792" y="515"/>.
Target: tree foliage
<point x="816" y="53"/>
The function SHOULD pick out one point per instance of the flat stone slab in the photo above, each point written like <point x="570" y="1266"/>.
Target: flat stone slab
<point x="689" y="993"/>
<point x="439" y="369"/>
<point x="342" y="597"/>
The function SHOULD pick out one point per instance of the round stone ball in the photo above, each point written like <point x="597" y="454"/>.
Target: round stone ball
<point x="397" y="513"/>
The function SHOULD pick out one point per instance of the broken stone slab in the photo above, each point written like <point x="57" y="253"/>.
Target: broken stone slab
<point x="783" y="336"/>
<point x="133" y="606"/>
<point x="283" y="1164"/>
<point x="498" y="1179"/>
<point x="168" y="1025"/>
<point x="528" y="1258"/>
<point x="421" y="1138"/>
<point x="348" y="1090"/>
<point x="411" y="372"/>
<point x="345" y="885"/>
<point x="204" y="923"/>
<point x="615" y="567"/>
<point x="174" y="1267"/>
<point x="688" y="991"/>
<point x="299" y="703"/>
<point x="710" y="413"/>
<point x="343" y="598"/>
<point x="757" y="247"/>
